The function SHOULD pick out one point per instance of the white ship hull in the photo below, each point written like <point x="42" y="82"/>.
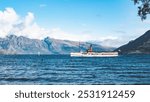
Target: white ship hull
<point x="95" y="54"/>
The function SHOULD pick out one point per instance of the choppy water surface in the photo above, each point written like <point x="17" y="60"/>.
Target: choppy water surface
<point x="63" y="69"/>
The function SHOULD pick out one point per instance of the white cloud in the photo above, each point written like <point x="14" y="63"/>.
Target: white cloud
<point x="112" y="42"/>
<point x="29" y="28"/>
<point x="7" y="19"/>
<point x="29" y="19"/>
<point x="8" y="16"/>
<point x="12" y="23"/>
<point x="58" y="33"/>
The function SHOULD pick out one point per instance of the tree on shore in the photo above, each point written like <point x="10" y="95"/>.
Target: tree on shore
<point x="143" y="8"/>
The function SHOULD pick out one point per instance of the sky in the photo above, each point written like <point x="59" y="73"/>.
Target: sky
<point x="107" y="22"/>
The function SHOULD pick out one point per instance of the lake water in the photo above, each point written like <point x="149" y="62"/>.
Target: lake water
<point x="63" y="69"/>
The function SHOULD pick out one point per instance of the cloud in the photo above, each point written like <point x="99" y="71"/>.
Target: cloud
<point x="29" y="28"/>
<point x="7" y="19"/>
<point x="112" y="42"/>
<point x="12" y="23"/>
<point x="58" y="33"/>
<point x="8" y="16"/>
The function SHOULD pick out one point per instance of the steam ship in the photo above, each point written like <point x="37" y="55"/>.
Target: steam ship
<point x="90" y="53"/>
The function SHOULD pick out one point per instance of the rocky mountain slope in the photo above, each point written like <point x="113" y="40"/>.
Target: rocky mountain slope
<point x="140" y="45"/>
<point x="22" y="45"/>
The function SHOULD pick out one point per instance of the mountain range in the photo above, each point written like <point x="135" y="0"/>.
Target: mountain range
<point x="140" y="45"/>
<point x="22" y="45"/>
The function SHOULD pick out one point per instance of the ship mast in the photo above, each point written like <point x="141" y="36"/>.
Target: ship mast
<point x="90" y="49"/>
<point x="79" y="47"/>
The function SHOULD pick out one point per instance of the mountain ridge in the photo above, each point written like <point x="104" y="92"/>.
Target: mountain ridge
<point x="141" y="45"/>
<point x="13" y="44"/>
